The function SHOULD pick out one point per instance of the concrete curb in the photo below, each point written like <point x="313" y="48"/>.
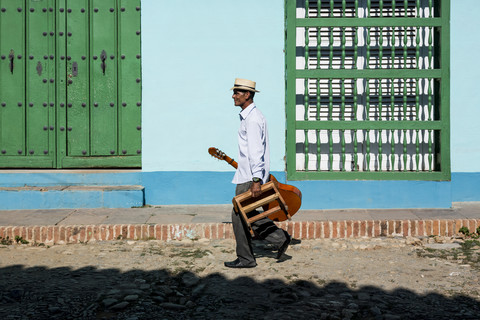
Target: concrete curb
<point x="305" y="230"/>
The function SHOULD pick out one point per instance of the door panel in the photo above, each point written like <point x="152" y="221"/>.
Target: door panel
<point x="103" y="74"/>
<point x="12" y="79"/>
<point x="77" y="63"/>
<point x="103" y="95"/>
<point x="129" y="78"/>
<point x="40" y="78"/>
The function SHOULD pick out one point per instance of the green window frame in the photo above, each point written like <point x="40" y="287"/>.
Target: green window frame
<point x="367" y="89"/>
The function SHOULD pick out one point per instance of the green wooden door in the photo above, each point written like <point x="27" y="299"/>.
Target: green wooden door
<point x="70" y="83"/>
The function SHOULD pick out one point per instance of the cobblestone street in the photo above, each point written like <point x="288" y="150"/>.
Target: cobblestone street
<point x="381" y="278"/>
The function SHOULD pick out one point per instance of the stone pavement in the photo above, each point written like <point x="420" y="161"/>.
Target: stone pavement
<point x="213" y="222"/>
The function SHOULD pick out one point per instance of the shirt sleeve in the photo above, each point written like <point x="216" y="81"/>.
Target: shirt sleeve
<point x="256" y="147"/>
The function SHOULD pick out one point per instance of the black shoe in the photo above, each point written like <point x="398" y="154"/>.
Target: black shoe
<point x="284" y="246"/>
<point x="238" y="264"/>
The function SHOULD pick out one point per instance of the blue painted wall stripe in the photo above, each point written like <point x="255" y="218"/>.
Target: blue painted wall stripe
<point x="204" y="187"/>
<point x="215" y="188"/>
<point x="465" y="186"/>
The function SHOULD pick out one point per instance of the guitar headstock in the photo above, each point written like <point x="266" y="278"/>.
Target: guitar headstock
<point x="216" y="153"/>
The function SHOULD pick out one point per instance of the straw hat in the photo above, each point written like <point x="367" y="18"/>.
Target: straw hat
<point x="244" y="84"/>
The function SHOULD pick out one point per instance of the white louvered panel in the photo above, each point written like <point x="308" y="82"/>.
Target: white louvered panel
<point x="325" y="10"/>
<point x="386" y="136"/>
<point x="334" y="48"/>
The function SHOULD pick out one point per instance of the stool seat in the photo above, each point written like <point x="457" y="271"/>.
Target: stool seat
<point x="244" y="203"/>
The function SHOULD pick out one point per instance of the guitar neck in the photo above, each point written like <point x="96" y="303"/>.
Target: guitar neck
<point x="230" y="161"/>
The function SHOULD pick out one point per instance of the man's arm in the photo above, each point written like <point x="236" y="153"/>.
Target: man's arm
<point x="256" y="153"/>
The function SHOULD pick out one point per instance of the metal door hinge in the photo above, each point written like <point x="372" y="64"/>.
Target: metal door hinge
<point x="39" y="68"/>
<point x="11" y="57"/>
<point x="74" y="69"/>
<point x="103" y="57"/>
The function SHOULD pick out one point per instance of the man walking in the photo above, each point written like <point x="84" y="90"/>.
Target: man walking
<point x="253" y="170"/>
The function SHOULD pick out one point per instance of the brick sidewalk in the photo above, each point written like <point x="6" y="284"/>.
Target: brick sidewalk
<point x="298" y="229"/>
<point x="212" y="222"/>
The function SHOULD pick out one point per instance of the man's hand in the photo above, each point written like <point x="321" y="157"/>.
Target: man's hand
<point x="255" y="189"/>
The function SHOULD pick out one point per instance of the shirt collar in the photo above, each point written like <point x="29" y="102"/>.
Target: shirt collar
<point x="245" y="112"/>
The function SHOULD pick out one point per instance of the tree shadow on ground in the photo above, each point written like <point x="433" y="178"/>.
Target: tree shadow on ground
<point x="91" y="293"/>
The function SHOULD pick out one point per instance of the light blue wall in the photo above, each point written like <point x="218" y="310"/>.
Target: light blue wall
<point x="192" y="52"/>
<point x="465" y="86"/>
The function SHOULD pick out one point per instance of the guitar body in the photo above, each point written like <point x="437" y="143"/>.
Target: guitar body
<point x="292" y="197"/>
<point x="290" y="194"/>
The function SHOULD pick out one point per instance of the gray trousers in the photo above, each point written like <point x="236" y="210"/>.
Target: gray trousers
<point x="264" y="228"/>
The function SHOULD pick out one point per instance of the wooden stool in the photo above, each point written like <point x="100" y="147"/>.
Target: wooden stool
<point x="244" y="203"/>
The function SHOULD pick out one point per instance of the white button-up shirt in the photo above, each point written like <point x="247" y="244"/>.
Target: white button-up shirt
<point x="253" y="147"/>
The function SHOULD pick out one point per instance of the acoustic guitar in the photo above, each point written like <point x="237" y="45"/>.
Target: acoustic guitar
<point x="290" y="194"/>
